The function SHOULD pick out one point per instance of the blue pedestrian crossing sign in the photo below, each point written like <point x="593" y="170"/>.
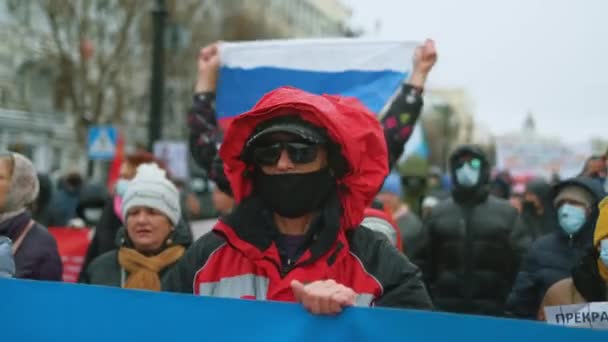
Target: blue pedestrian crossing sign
<point x="102" y="142"/>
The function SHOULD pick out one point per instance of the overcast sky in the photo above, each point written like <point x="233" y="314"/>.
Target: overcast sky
<point x="513" y="56"/>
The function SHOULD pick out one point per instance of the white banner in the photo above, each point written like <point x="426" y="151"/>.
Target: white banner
<point x="540" y="158"/>
<point x="175" y="156"/>
<point x="592" y="315"/>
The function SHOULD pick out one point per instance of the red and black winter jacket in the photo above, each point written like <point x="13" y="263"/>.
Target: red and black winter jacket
<point x="240" y="259"/>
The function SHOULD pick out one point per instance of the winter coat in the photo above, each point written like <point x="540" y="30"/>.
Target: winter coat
<point x="105" y="269"/>
<point x="63" y="205"/>
<point x="105" y="234"/>
<point x="91" y="202"/>
<point x="41" y="211"/>
<point x="471" y="255"/>
<point x="551" y="258"/>
<point x="411" y="231"/>
<point x="381" y="221"/>
<point x="37" y="257"/>
<point x="240" y="259"/>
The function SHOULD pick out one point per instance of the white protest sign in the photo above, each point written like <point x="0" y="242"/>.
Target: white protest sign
<point x="592" y="315"/>
<point x="202" y="227"/>
<point x="175" y="156"/>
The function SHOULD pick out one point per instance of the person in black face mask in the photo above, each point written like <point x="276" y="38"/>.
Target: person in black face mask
<point x="596" y="168"/>
<point x="471" y="251"/>
<point x="414" y="172"/>
<point x="302" y="169"/>
<point x="538" y="213"/>
<point x="291" y="175"/>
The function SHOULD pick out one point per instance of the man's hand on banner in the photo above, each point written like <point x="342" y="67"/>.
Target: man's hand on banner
<point x="323" y="297"/>
<point x="208" y="68"/>
<point x="425" y="57"/>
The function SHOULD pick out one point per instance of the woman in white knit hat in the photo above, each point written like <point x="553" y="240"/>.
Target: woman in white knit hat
<point x="153" y="239"/>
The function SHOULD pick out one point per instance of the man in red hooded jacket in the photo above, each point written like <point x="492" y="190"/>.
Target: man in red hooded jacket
<point x="302" y="168"/>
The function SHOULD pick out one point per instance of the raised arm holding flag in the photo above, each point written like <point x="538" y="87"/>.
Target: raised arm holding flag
<point x="302" y="168"/>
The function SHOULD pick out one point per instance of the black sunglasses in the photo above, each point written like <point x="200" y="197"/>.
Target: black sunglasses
<point x="299" y="153"/>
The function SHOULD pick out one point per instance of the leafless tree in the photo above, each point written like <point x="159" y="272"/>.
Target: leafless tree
<point x="94" y="48"/>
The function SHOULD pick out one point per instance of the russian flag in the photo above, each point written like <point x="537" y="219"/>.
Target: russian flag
<point x="371" y="71"/>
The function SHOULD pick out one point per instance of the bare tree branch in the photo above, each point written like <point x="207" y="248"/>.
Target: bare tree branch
<point x="55" y="33"/>
<point x="106" y="77"/>
<point x="83" y="29"/>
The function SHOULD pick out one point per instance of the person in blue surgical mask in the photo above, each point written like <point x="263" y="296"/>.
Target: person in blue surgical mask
<point x="471" y="254"/>
<point x="551" y="257"/>
<point x="589" y="278"/>
<point x="573" y="205"/>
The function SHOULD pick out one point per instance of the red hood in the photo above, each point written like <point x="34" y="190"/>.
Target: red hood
<point x="347" y="122"/>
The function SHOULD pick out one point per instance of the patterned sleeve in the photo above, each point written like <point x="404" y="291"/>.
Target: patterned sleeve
<point x="204" y="131"/>
<point x="399" y="119"/>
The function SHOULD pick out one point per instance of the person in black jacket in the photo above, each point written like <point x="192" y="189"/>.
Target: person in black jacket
<point x="538" y="212"/>
<point x="62" y="207"/>
<point x="501" y="185"/>
<point x="41" y="208"/>
<point x="596" y="168"/>
<point x="471" y="255"/>
<point x="552" y="256"/>
<point x="302" y="169"/>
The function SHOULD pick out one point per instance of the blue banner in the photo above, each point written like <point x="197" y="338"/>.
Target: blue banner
<point x="45" y="311"/>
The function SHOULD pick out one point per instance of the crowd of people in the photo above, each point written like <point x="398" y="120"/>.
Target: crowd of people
<point x="316" y="208"/>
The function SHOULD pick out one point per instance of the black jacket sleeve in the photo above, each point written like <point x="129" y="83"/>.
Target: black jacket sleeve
<point x="424" y="256"/>
<point x="400" y="279"/>
<point x="180" y="278"/>
<point x="399" y="119"/>
<point x="517" y="244"/>
<point x="523" y="301"/>
<point x="104" y="239"/>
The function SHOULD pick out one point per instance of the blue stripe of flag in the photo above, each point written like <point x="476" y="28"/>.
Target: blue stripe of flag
<point x="239" y="89"/>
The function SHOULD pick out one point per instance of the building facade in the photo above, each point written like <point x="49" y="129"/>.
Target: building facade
<point x="33" y="118"/>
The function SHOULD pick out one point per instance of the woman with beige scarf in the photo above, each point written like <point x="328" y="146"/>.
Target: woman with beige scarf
<point x="153" y="239"/>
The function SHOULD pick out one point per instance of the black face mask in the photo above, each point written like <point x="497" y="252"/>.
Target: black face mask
<point x="414" y="184"/>
<point x="529" y="209"/>
<point x="294" y="194"/>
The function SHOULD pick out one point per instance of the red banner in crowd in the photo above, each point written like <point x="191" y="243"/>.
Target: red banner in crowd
<point x="73" y="244"/>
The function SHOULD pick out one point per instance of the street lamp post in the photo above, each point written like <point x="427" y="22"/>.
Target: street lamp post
<point x="159" y="14"/>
